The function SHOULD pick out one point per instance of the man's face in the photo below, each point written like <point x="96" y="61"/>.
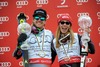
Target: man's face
<point x="39" y="21"/>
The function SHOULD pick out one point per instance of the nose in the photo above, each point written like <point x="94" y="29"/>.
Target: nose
<point x="65" y="24"/>
<point x="39" y="19"/>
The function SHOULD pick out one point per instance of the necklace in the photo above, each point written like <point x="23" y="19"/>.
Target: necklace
<point x="65" y="50"/>
<point x="41" y="53"/>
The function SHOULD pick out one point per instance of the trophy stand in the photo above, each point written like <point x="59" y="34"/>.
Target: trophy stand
<point x="84" y="22"/>
<point x="24" y="27"/>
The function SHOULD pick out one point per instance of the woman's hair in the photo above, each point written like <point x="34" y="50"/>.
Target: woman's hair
<point x="58" y="33"/>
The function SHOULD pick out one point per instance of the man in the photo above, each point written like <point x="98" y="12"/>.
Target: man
<point x="41" y="52"/>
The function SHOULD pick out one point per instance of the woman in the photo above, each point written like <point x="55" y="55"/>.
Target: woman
<point x="40" y="40"/>
<point x="68" y="44"/>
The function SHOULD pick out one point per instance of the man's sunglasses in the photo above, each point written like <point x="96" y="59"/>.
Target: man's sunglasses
<point x="67" y="23"/>
<point x="41" y="18"/>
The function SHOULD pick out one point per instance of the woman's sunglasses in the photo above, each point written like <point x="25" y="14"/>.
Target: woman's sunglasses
<point x="67" y="22"/>
<point x="41" y="18"/>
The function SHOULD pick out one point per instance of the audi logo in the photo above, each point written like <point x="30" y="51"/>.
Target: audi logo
<point x="3" y="3"/>
<point x="81" y="14"/>
<point x="4" y="33"/>
<point x="21" y="63"/>
<point x="5" y="64"/>
<point x="58" y="15"/>
<point x="98" y="0"/>
<point x="22" y="3"/>
<point x="47" y="16"/>
<point x="41" y="1"/>
<point x="98" y="13"/>
<point x="99" y="29"/>
<point x="80" y="30"/>
<point x="4" y="49"/>
<point x="2" y="19"/>
<point x="81" y="0"/>
<point x="89" y="60"/>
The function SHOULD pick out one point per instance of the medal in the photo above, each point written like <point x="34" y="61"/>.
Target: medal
<point x="41" y="54"/>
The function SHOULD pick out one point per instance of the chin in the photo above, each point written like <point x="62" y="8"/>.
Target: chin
<point x="63" y="32"/>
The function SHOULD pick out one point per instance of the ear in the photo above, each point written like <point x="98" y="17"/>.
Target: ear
<point x="44" y="22"/>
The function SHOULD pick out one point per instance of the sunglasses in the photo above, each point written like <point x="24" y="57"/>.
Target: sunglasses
<point x="62" y="22"/>
<point x="41" y="18"/>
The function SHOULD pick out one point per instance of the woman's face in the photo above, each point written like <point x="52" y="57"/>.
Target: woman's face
<point x="64" y="26"/>
<point x="39" y="21"/>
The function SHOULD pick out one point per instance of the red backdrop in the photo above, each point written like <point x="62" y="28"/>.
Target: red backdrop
<point x="9" y="9"/>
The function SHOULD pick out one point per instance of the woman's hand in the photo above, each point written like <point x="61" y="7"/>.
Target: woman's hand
<point x="88" y="30"/>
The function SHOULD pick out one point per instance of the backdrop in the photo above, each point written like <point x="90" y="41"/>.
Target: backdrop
<point x="9" y="9"/>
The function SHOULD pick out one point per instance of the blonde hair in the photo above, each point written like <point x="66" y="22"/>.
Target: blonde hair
<point x="58" y="33"/>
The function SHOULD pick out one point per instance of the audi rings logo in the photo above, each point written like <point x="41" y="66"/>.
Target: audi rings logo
<point x="21" y="63"/>
<point x="98" y="14"/>
<point x="5" y="64"/>
<point x="4" y="49"/>
<point x="3" y="4"/>
<point x="21" y="3"/>
<point x="89" y="60"/>
<point x="99" y="29"/>
<point x="98" y="1"/>
<point x="4" y="34"/>
<point x="58" y="15"/>
<point x="79" y="2"/>
<point x="47" y="16"/>
<point x="4" y="19"/>
<point x="81" y="14"/>
<point x="80" y="31"/>
<point x="41" y="2"/>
